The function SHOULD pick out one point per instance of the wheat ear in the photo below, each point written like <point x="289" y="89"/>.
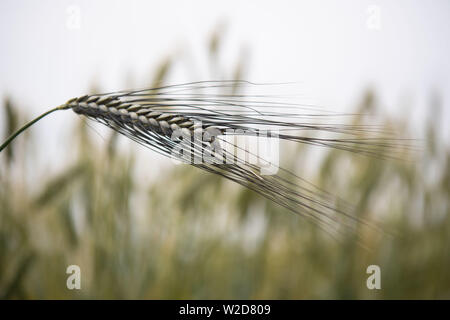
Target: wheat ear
<point x="150" y="117"/>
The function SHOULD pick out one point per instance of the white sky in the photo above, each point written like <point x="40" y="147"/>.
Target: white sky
<point x="327" y="46"/>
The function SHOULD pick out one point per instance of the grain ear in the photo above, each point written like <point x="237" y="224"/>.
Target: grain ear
<point x="204" y="120"/>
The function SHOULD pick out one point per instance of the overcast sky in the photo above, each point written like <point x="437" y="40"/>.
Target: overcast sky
<point x="54" y="50"/>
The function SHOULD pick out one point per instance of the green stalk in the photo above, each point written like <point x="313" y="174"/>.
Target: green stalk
<point x="27" y="125"/>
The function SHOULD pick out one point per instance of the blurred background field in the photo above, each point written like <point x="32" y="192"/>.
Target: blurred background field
<point x="189" y="234"/>
<point x="144" y="228"/>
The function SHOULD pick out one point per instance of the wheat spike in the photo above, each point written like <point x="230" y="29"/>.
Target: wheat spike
<point x="151" y="117"/>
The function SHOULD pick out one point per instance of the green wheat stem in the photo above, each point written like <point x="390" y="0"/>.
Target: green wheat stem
<point x="27" y="125"/>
